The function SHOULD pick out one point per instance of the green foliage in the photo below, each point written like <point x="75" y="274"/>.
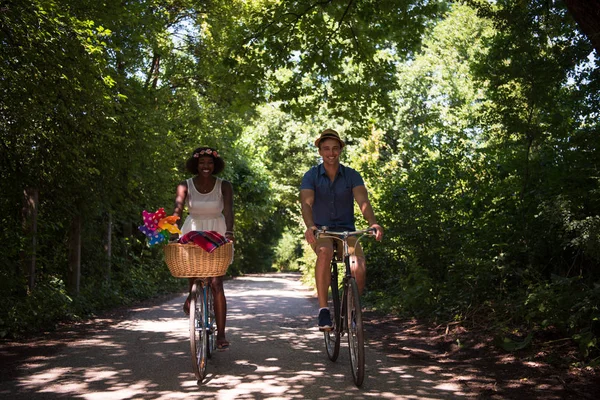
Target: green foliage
<point x="257" y="228"/>
<point x="511" y="345"/>
<point x="564" y="303"/>
<point x="480" y="205"/>
<point x="407" y="290"/>
<point x="288" y="252"/>
<point x="37" y="311"/>
<point x="342" y="56"/>
<point x="99" y="116"/>
<point x="307" y="264"/>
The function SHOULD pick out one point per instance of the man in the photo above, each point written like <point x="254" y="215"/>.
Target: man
<point x="327" y="194"/>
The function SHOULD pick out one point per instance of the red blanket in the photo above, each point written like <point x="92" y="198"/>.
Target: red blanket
<point x="208" y="240"/>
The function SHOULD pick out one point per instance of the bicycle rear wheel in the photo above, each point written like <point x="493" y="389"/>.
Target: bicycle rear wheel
<point x="332" y="337"/>
<point x="211" y="328"/>
<point x="198" y="337"/>
<point x="356" y="337"/>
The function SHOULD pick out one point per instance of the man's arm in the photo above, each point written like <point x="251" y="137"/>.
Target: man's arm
<point x="307" y="198"/>
<point x="362" y="199"/>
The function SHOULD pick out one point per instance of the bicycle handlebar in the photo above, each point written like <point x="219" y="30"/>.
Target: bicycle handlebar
<point x="344" y="234"/>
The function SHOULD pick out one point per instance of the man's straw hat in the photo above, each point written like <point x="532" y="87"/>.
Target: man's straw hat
<point x="329" y="134"/>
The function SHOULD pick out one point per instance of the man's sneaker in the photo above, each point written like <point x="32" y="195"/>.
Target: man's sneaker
<point x="325" y="320"/>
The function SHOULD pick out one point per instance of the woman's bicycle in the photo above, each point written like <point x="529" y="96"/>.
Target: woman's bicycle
<point x="191" y="261"/>
<point x="346" y="309"/>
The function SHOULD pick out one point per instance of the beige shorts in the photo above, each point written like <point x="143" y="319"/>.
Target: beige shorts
<point x="353" y="247"/>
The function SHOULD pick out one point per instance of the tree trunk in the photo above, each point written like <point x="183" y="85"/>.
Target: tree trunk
<point x="127" y="233"/>
<point x="109" y="247"/>
<point x="153" y="74"/>
<point x="587" y="15"/>
<point x="74" y="255"/>
<point x="29" y="215"/>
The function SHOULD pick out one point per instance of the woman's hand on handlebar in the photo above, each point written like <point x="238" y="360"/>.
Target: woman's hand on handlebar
<point x="229" y="235"/>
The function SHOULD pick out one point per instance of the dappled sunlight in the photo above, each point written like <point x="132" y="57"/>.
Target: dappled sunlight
<point x="44" y="378"/>
<point x="452" y="387"/>
<point x="173" y="325"/>
<point x="258" y="293"/>
<point x="132" y="391"/>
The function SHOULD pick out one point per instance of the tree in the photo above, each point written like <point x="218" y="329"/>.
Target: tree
<point x="342" y="54"/>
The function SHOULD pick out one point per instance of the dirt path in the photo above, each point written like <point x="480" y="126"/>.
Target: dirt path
<point x="276" y="353"/>
<point x="470" y="359"/>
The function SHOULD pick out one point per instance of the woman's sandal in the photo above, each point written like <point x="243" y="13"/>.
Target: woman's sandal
<point x="222" y="344"/>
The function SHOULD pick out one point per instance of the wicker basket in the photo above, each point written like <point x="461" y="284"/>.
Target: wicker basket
<point x="191" y="261"/>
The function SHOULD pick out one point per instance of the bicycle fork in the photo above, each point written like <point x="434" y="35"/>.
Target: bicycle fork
<point x="210" y="329"/>
<point x="344" y="295"/>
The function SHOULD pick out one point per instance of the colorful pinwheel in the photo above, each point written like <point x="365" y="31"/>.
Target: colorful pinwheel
<point x="151" y="219"/>
<point x="168" y="224"/>
<point x="157" y="226"/>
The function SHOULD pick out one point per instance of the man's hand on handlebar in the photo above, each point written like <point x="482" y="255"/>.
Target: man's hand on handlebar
<point x="378" y="231"/>
<point x="309" y="234"/>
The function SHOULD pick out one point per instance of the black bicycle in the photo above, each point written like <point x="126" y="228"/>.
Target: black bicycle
<point x="347" y="313"/>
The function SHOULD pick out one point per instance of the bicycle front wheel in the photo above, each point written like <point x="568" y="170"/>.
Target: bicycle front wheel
<point x="198" y="340"/>
<point x="356" y="342"/>
<point x="211" y="327"/>
<point x="332" y="337"/>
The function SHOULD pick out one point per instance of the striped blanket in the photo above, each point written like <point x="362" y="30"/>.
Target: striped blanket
<point x="208" y="240"/>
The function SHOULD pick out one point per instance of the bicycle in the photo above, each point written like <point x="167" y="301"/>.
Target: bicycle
<point x="191" y="261"/>
<point x="347" y="316"/>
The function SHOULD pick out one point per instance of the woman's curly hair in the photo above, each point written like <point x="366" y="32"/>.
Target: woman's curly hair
<point x="191" y="165"/>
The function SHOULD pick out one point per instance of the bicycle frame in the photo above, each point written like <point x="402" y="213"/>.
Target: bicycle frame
<point x="208" y="324"/>
<point x="345" y="258"/>
<point x="339" y="317"/>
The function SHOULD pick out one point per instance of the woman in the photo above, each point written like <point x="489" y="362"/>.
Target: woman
<point x="210" y="208"/>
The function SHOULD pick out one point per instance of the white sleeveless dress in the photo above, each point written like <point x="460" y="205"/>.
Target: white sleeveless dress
<point x="205" y="211"/>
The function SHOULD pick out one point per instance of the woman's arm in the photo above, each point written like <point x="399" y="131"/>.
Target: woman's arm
<point x="227" y="190"/>
<point x="180" y="196"/>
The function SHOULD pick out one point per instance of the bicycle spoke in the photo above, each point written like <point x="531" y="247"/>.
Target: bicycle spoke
<point x="197" y="332"/>
<point x="355" y="329"/>
<point x="211" y="327"/>
<point x="332" y="338"/>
